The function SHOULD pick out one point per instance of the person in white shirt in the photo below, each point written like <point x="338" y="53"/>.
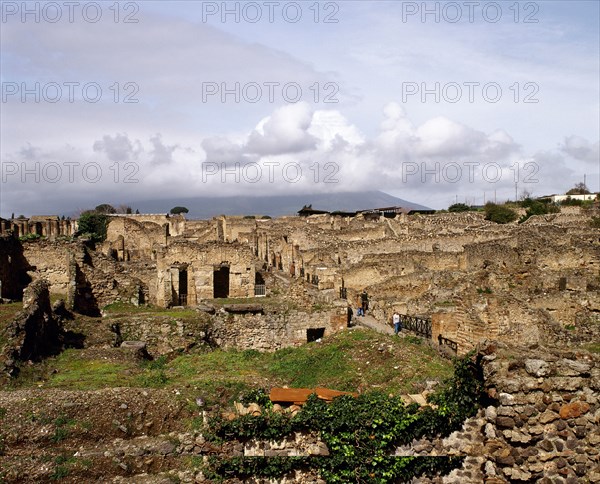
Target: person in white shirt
<point x="396" y="321"/>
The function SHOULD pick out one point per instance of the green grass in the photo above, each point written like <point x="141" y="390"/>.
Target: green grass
<point x="88" y="374"/>
<point x="266" y="302"/>
<point x="593" y="347"/>
<point x="7" y="315"/>
<point x="348" y="360"/>
<point x="122" y="308"/>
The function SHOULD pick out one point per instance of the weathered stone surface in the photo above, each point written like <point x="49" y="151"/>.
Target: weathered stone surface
<point x="566" y="367"/>
<point x="537" y="367"/>
<point x="573" y="410"/>
<point x="565" y="383"/>
<point x="506" y="422"/>
<point x="548" y="416"/>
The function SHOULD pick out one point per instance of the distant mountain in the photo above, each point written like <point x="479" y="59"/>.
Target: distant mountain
<point x="275" y="206"/>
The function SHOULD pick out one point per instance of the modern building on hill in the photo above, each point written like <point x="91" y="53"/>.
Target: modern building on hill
<point x="562" y="198"/>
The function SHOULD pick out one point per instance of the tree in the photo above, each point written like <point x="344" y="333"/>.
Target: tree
<point x="137" y="212"/>
<point x="105" y="208"/>
<point x="501" y="214"/>
<point x="579" y="189"/>
<point x="12" y="216"/>
<point x="459" y="207"/>
<point x="178" y="210"/>
<point x="93" y="223"/>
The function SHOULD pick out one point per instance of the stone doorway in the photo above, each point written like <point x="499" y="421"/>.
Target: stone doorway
<point x="260" y="289"/>
<point x="313" y="334"/>
<point x="183" y="287"/>
<point x="221" y="281"/>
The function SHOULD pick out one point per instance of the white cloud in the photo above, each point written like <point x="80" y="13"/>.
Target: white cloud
<point x="285" y="131"/>
<point x="581" y="149"/>
<point x="161" y="154"/>
<point x="117" y="148"/>
<point x="170" y="54"/>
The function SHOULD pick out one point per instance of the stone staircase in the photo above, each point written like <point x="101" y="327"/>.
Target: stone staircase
<point x="370" y="322"/>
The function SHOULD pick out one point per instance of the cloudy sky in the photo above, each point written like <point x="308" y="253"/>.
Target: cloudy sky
<point x="433" y="102"/>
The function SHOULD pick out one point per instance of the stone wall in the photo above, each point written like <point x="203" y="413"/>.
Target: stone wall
<point x="546" y="425"/>
<point x="199" y="261"/>
<point x="133" y="239"/>
<point x="273" y="331"/>
<point x="96" y="281"/>
<point x="541" y="424"/>
<point x="50" y="260"/>
<point x="167" y="334"/>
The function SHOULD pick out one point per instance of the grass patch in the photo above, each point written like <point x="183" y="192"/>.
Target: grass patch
<point x="7" y="315"/>
<point x="313" y="365"/>
<point x="349" y="360"/>
<point x="593" y="347"/>
<point x="123" y="309"/>
<point x="79" y="373"/>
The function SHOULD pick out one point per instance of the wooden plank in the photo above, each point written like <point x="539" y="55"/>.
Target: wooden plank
<point x="298" y="396"/>
<point x="290" y="395"/>
<point x="327" y="394"/>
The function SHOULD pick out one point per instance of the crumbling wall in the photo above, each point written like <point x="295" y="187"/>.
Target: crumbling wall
<point x="273" y="331"/>
<point x="50" y="261"/>
<point x="96" y="281"/>
<point x="200" y="262"/>
<point x="35" y="333"/>
<point x="133" y="239"/>
<point x="541" y="423"/>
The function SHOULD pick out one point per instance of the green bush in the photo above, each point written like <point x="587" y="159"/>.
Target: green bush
<point x="535" y="207"/>
<point x="360" y="433"/>
<point x="459" y="207"/>
<point x="27" y="237"/>
<point x="93" y="223"/>
<point x="501" y="214"/>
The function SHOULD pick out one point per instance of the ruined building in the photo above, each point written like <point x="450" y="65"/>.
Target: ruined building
<point x="467" y="277"/>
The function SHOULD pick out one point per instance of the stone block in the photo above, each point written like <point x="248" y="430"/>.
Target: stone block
<point x="537" y="367"/>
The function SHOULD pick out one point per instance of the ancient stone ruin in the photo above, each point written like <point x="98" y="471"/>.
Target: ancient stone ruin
<point x="466" y="277"/>
<point x="525" y="296"/>
<point x="35" y="333"/>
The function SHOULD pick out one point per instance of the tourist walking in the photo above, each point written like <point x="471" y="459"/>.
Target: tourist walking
<point x="364" y="299"/>
<point x="397" y="324"/>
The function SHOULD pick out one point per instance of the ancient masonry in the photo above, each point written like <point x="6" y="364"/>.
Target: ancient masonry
<point x="536" y="282"/>
<point x="542" y="423"/>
